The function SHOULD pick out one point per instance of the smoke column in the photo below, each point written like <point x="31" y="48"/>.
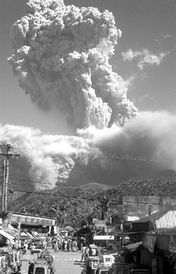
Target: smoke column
<point x="61" y="56"/>
<point x="52" y="157"/>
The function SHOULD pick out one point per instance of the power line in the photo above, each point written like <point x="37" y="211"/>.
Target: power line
<point x="5" y="153"/>
<point x="110" y="156"/>
<point x="22" y="180"/>
<point x="129" y="157"/>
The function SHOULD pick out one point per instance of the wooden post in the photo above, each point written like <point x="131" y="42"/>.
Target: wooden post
<point x="3" y="183"/>
<point x="6" y="154"/>
<point x="6" y="183"/>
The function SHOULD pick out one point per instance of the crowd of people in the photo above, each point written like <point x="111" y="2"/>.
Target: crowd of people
<point x="65" y="244"/>
<point x="9" y="261"/>
<point x="57" y="242"/>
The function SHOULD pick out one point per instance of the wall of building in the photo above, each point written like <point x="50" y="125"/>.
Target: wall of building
<point x="141" y="206"/>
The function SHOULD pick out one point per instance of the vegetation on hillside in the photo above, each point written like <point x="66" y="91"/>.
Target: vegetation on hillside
<point x="148" y="187"/>
<point x="69" y="205"/>
<point x="75" y="205"/>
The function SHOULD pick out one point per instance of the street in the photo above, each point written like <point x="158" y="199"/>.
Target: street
<point x="68" y="262"/>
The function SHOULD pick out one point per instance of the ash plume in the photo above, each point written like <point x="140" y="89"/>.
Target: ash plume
<point x="61" y="57"/>
<point x="150" y="136"/>
<point x="52" y="157"/>
<point x="62" y="60"/>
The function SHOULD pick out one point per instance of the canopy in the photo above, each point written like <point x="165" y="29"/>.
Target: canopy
<point x="26" y="235"/>
<point x="92" y="246"/>
<point x="69" y="228"/>
<point x="23" y="234"/>
<point x="133" y="247"/>
<point x="103" y="237"/>
<point x="6" y="235"/>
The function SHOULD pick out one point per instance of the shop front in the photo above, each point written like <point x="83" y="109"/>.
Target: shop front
<point x="163" y="249"/>
<point x="27" y="223"/>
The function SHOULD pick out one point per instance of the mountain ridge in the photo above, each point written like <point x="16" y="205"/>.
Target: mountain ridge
<point x="93" y="174"/>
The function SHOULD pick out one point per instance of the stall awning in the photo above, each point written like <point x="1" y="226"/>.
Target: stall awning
<point x="6" y="235"/>
<point x="103" y="237"/>
<point x="133" y="247"/>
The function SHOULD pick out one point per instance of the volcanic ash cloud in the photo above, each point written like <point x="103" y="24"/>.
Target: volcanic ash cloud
<point x="61" y="57"/>
<point x="52" y="157"/>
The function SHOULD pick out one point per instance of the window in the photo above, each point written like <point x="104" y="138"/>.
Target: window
<point x="39" y="270"/>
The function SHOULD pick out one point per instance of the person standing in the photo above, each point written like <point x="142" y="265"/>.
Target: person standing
<point x="25" y="246"/>
<point x="75" y="246"/>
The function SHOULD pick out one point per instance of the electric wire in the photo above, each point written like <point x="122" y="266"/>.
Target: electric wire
<point x="13" y="186"/>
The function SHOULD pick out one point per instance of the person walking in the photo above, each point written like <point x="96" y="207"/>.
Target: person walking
<point x="83" y="254"/>
<point x="56" y="247"/>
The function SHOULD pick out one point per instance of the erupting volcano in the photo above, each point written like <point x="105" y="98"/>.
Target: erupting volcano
<point x="61" y="56"/>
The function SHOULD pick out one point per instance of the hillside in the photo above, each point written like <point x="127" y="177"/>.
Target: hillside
<point x="88" y="190"/>
<point x="111" y="172"/>
<point x="19" y="175"/>
<point x="71" y="205"/>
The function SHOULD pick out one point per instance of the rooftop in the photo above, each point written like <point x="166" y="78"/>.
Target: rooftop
<point x="155" y="216"/>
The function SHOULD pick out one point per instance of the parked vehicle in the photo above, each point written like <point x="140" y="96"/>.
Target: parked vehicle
<point x="37" y="242"/>
<point x="36" y="251"/>
<point x="103" y="271"/>
<point x="42" y="267"/>
<point x="42" y="263"/>
<point x="91" y="265"/>
<point x="106" y="260"/>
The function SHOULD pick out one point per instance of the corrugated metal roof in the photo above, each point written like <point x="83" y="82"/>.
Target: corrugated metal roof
<point x="166" y="231"/>
<point x="133" y="246"/>
<point x="155" y="216"/>
<point x="6" y="235"/>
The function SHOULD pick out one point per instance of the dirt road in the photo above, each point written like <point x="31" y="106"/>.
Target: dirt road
<point x="68" y="263"/>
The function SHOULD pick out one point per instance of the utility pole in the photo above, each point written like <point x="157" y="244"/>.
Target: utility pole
<point x="6" y="151"/>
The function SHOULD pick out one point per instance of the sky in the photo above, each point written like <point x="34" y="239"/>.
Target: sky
<point x="145" y="55"/>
